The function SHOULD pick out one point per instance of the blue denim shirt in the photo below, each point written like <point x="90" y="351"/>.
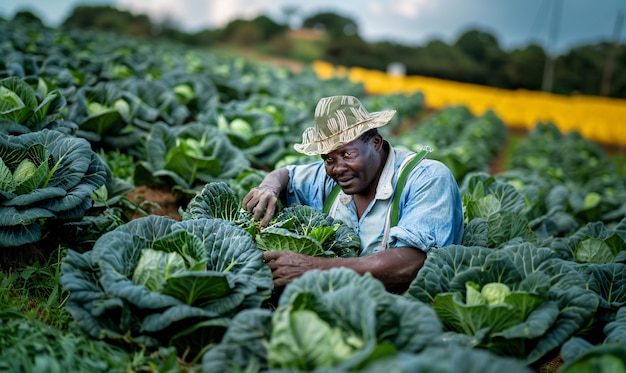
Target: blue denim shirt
<point x="431" y="211"/>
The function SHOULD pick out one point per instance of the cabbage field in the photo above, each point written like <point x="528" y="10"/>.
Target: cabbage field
<point x="94" y="278"/>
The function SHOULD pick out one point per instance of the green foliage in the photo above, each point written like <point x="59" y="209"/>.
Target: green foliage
<point x="28" y="107"/>
<point x="549" y="300"/>
<point x="188" y="155"/>
<point x="107" y="18"/>
<point x="334" y="319"/>
<point x="334" y="24"/>
<point x="585" y="183"/>
<point x="297" y="228"/>
<point x="47" y="176"/>
<point x="452" y="134"/>
<point x="166" y="283"/>
<point x="33" y="290"/>
<point x="30" y="345"/>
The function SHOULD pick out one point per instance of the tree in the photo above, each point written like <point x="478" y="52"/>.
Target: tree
<point x="476" y="44"/>
<point x="26" y="16"/>
<point x="580" y="70"/>
<point x="109" y="19"/>
<point x="483" y="48"/>
<point x="524" y="68"/>
<point x="440" y="60"/>
<point x="334" y="24"/>
<point x="268" y="27"/>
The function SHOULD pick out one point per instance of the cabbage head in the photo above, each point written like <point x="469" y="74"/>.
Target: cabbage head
<point x="158" y="282"/>
<point x="45" y="176"/>
<point x="519" y="301"/>
<point x="26" y="106"/>
<point x="326" y="321"/>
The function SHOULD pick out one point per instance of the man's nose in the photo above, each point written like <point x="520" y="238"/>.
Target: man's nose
<point x="339" y="166"/>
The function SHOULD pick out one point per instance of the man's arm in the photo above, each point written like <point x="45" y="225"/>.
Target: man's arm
<point x="262" y="201"/>
<point x="396" y="267"/>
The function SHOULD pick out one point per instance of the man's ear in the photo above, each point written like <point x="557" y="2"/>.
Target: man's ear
<point x="377" y="141"/>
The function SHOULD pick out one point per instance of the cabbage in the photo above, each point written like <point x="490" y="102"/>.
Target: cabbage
<point x="519" y="301"/>
<point x="297" y="228"/>
<point x="157" y="282"/>
<point x="45" y="177"/>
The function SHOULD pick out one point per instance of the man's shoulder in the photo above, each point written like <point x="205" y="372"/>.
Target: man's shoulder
<point x="403" y="155"/>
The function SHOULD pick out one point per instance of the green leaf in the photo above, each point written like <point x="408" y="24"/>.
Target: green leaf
<point x="279" y="239"/>
<point x="29" y="177"/>
<point x="322" y="233"/>
<point x="17" y="100"/>
<point x="103" y="122"/>
<point x="593" y="250"/>
<point x="187" y="245"/>
<point x="215" y="200"/>
<point x="495" y="292"/>
<point x="302" y="340"/>
<point x="473" y="296"/>
<point x="155" y="267"/>
<point x="196" y="287"/>
<point x="470" y="319"/>
<point x="7" y="184"/>
<point x="184" y="160"/>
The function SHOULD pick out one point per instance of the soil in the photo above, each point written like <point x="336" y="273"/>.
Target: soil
<point x="156" y="200"/>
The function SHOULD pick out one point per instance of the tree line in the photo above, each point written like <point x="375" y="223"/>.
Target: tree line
<point x="475" y="57"/>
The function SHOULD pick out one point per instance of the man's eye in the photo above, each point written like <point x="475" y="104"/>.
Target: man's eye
<point x="347" y="155"/>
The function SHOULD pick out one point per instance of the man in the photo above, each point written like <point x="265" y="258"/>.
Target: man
<point x="366" y="167"/>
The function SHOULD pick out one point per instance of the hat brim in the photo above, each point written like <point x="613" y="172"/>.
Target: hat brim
<point x="325" y="146"/>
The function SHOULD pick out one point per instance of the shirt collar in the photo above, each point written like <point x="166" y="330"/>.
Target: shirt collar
<point x="384" y="189"/>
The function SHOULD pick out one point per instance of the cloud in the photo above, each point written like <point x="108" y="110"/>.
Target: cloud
<point x="411" y="8"/>
<point x="376" y="8"/>
<point x="198" y="14"/>
<point x="187" y="14"/>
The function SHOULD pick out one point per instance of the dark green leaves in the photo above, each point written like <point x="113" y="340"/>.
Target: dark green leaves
<point x="155" y="279"/>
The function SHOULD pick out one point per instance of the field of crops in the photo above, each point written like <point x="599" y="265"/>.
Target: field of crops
<point x="94" y="280"/>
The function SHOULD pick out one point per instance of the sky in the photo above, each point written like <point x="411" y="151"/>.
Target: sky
<point x="556" y="25"/>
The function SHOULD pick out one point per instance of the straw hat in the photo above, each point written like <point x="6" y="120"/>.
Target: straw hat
<point x="338" y="121"/>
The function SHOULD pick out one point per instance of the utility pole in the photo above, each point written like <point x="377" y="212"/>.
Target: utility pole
<point x="548" y="67"/>
<point x="605" y="86"/>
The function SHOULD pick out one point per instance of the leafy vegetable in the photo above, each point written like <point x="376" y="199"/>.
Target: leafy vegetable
<point x="547" y="301"/>
<point x="334" y="320"/>
<point x="23" y="109"/>
<point x="298" y="228"/>
<point x="189" y="155"/>
<point x="46" y="176"/>
<point x="104" y="116"/>
<point x="159" y="282"/>
<point x="29" y="345"/>
<point x="499" y="210"/>
<point x="594" y="243"/>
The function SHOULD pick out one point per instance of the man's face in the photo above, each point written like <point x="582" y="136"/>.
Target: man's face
<point x="353" y="166"/>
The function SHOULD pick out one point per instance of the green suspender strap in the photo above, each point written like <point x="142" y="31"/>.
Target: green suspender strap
<point x="395" y="207"/>
<point x="328" y="203"/>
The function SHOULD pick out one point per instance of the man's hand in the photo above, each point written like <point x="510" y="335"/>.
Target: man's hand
<point x="262" y="202"/>
<point x="396" y="268"/>
<point x="289" y="265"/>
